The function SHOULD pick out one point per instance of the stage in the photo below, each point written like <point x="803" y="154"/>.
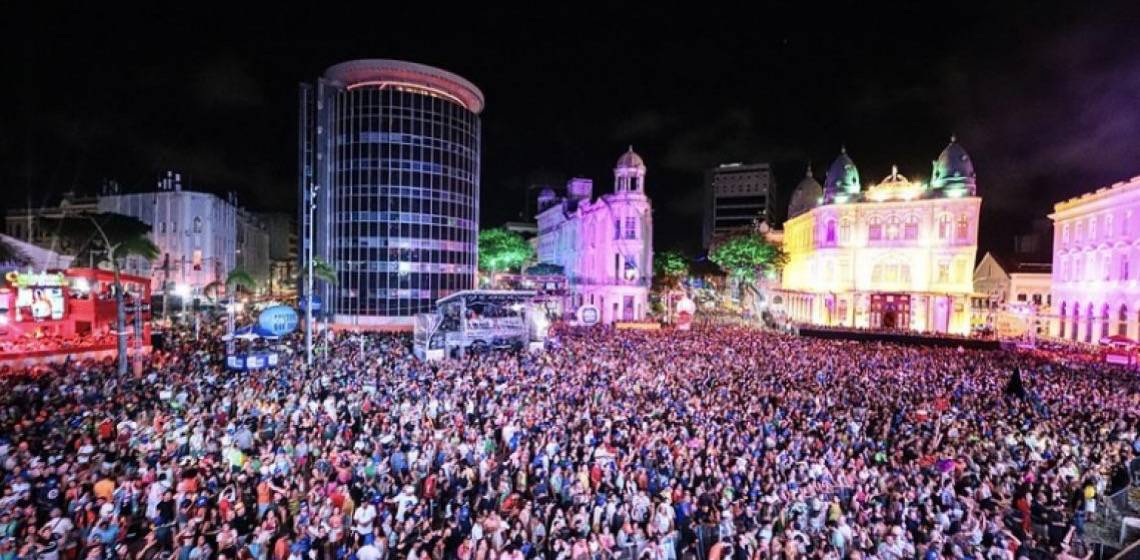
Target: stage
<point x="913" y="339"/>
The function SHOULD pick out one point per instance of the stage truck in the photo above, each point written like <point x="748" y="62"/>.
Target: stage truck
<point x="479" y="321"/>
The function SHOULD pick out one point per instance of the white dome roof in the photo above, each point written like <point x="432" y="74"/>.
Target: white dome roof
<point x="630" y="160"/>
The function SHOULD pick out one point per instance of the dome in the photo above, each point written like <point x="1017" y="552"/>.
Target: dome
<point x="842" y="177"/>
<point x="630" y="160"/>
<point x="954" y="170"/>
<point x="806" y="196"/>
<point x="546" y="193"/>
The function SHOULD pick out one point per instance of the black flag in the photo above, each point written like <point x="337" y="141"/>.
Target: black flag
<point x="1015" y="387"/>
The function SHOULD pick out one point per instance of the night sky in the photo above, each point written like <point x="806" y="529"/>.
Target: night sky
<point x="1046" y="99"/>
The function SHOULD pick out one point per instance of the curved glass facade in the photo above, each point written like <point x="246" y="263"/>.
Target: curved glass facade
<point x="398" y="205"/>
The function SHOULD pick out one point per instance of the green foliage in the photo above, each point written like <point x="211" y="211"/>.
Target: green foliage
<point x="92" y="232"/>
<point x="545" y="269"/>
<point x="324" y="271"/>
<point x="746" y="254"/>
<point x="501" y="250"/>
<point x="671" y="264"/>
<point x="240" y="278"/>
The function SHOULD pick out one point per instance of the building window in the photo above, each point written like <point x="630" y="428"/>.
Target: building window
<point x="910" y="230"/>
<point x="631" y="228"/>
<point x="197" y="224"/>
<point x="943" y="275"/>
<point x="161" y="227"/>
<point x="1092" y="229"/>
<point x="894" y="229"/>
<point x="1080" y="232"/>
<point x="944" y="227"/>
<point x="830" y="232"/>
<point x="1108" y="226"/>
<point x="1064" y="319"/>
<point x="1122" y="321"/>
<point x="617" y="229"/>
<point x="962" y="227"/>
<point x="1124" y="267"/>
<point x="875" y="230"/>
<point x="844" y="231"/>
<point x="1065" y="233"/>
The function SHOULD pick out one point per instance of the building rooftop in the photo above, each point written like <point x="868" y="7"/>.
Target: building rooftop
<point x="1115" y="188"/>
<point x="386" y="72"/>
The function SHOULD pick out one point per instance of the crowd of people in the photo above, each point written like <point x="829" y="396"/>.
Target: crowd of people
<point x="716" y="444"/>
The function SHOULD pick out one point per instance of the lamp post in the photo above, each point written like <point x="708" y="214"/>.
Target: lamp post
<point x="311" y="210"/>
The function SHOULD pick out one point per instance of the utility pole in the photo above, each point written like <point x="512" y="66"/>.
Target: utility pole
<point x="311" y="200"/>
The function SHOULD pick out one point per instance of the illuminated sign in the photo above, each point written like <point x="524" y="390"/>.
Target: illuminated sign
<point x="588" y="315"/>
<point x="638" y="326"/>
<point x="26" y="280"/>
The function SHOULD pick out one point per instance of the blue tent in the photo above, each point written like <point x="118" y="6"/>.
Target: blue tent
<point x="252" y="332"/>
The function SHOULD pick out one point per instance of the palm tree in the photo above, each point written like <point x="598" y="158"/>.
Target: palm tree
<point x="121" y="237"/>
<point x="324" y="272"/>
<point x="239" y="278"/>
<point x="211" y="290"/>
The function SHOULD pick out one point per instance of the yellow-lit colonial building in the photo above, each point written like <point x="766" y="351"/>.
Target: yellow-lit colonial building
<point x="896" y="255"/>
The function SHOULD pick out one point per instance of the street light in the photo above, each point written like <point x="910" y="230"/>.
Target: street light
<point x="309" y="230"/>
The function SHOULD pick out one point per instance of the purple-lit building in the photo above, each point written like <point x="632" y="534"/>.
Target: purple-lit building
<point x="1096" y="246"/>
<point x="605" y="245"/>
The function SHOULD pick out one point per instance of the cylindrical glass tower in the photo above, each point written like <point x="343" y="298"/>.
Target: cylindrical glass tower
<point x="392" y="148"/>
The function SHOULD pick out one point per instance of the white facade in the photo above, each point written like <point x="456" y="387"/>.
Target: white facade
<point x="196" y="234"/>
<point x="1096" y="251"/>
<point x="605" y="245"/>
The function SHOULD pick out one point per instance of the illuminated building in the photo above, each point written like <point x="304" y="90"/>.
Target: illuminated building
<point x="196" y="234"/>
<point x="392" y="150"/>
<point x="605" y="246"/>
<point x="1094" y="252"/>
<point x="896" y="255"/>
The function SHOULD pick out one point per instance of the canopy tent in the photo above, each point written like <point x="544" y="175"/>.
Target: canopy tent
<point x="252" y="332"/>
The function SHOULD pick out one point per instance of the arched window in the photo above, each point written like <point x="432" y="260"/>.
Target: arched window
<point x="944" y="227"/>
<point x="1064" y="319"/>
<point x="1089" y="312"/>
<point x="961" y="228"/>
<point x="845" y="231"/>
<point x="910" y="231"/>
<point x="1092" y="229"/>
<point x="1076" y="320"/>
<point x="1108" y="226"/>
<point x="1122" y="320"/>
<point x="1104" y="320"/>
<point x="875" y="230"/>
<point x="830" y="236"/>
<point x="894" y="228"/>
<point x="1065" y="233"/>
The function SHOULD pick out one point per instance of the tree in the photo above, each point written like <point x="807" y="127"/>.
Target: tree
<point x="323" y="270"/>
<point x="669" y="268"/>
<point x="501" y="250"/>
<point x="211" y="290"/>
<point x="112" y="238"/>
<point x="746" y="254"/>
<point x="239" y="278"/>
